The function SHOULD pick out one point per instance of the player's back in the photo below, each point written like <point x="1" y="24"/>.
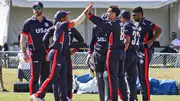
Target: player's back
<point x="132" y="31"/>
<point x="114" y="39"/>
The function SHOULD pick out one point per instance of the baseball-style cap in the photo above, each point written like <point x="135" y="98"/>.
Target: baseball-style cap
<point x="125" y="14"/>
<point x="38" y="4"/>
<point x="61" y="13"/>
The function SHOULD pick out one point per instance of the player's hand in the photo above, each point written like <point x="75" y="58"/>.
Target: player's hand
<point x="88" y="8"/>
<point x="149" y="43"/>
<point x="25" y="57"/>
<point x="47" y="59"/>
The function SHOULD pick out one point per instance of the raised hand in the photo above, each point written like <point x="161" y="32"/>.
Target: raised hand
<point x="88" y="8"/>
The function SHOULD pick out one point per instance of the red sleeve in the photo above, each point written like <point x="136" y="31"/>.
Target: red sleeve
<point x="155" y="27"/>
<point x="24" y="33"/>
<point x="89" y="17"/>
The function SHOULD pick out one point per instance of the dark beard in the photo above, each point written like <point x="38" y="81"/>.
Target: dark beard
<point x="137" y="20"/>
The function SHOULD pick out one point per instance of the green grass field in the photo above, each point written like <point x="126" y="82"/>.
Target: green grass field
<point x="10" y="76"/>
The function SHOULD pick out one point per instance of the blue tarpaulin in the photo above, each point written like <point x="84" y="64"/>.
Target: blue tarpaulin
<point x="158" y="87"/>
<point x="161" y="87"/>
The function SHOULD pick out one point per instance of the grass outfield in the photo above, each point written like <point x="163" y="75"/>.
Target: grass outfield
<point x="76" y="97"/>
<point x="10" y="76"/>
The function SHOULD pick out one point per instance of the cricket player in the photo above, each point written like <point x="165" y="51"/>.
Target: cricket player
<point x="73" y="33"/>
<point x="132" y="39"/>
<point x="34" y="29"/>
<point x="115" y="45"/>
<point x="57" y="54"/>
<point x="98" y="50"/>
<point x="149" y="32"/>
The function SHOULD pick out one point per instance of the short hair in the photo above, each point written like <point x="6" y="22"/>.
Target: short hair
<point x="138" y="10"/>
<point x="115" y="9"/>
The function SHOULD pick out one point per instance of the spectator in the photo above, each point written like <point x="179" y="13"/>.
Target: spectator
<point x="1" y="65"/>
<point x="23" y="67"/>
<point x="173" y="47"/>
<point x="5" y="47"/>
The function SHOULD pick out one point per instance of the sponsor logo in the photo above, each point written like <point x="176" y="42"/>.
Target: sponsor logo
<point x="101" y="39"/>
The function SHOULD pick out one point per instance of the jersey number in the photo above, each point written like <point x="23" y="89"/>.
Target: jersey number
<point x="136" y="37"/>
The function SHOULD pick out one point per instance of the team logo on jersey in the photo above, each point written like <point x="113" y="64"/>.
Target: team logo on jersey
<point x="141" y="61"/>
<point x="46" y="24"/>
<point x="139" y="29"/>
<point x="41" y="30"/>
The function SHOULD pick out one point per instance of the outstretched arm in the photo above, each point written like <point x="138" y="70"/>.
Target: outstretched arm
<point x="81" y="18"/>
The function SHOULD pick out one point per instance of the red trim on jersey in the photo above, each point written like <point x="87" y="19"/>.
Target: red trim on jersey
<point x="147" y="69"/>
<point x="90" y="16"/>
<point x="30" y="40"/>
<point x="62" y="38"/>
<point x="111" y="39"/>
<point x="147" y="73"/>
<point x="32" y="76"/>
<point x="24" y="33"/>
<point x="155" y="27"/>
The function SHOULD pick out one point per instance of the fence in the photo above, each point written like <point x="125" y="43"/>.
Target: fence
<point x="164" y="66"/>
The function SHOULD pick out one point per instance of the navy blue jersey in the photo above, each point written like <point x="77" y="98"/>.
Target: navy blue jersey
<point x="73" y="33"/>
<point x="35" y="31"/>
<point x="129" y="29"/>
<point x="113" y="29"/>
<point x="99" y="42"/>
<point x="61" y="37"/>
<point x="146" y="29"/>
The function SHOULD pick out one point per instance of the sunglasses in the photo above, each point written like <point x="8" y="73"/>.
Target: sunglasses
<point x="37" y="8"/>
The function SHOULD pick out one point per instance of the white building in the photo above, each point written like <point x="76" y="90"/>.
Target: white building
<point x="166" y="13"/>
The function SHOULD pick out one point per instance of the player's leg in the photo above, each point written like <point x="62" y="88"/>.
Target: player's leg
<point x="63" y="85"/>
<point x="56" y="90"/>
<point x="69" y="77"/>
<point x="143" y="69"/>
<point x="45" y="69"/>
<point x="131" y="70"/>
<point x="56" y="65"/>
<point x="99" y="62"/>
<point x="99" y="68"/>
<point x="122" y="90"/>
<point x="131" y="78"/>
<point x="35" y="72"/>
<point x="112" y="65"/>
<point x="106" y="86"/>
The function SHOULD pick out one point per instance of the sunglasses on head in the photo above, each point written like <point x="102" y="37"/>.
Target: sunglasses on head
<point x="134" y="14"/>
<point x="37" y="8"/>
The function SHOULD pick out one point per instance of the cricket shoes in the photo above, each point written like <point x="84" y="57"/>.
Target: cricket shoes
<point x="34" y="98"/>
<point x="31" y="97"/>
